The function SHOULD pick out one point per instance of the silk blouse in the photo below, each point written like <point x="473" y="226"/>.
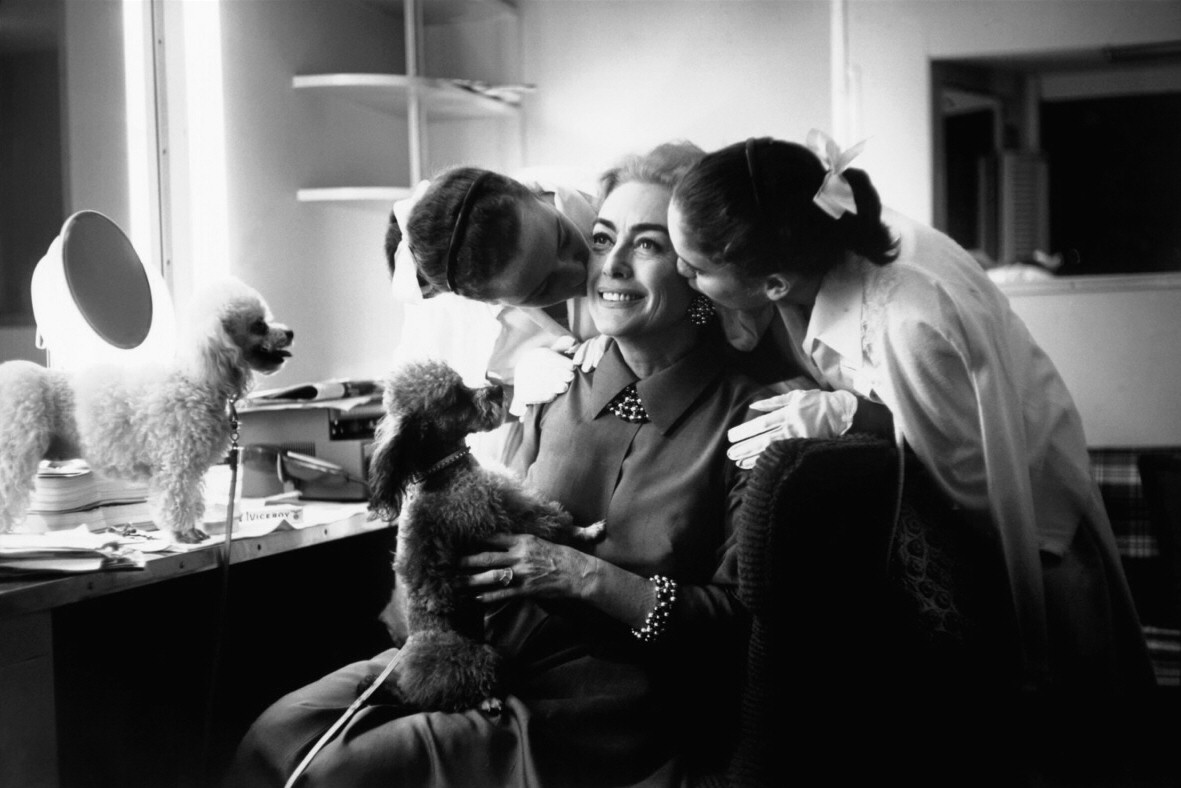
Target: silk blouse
<point x="932" y="338"/>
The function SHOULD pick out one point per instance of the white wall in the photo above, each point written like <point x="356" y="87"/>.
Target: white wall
<point x="320" y="266"/>
<point x="619" y="76"/>
<point x="1117" y="343"/>
<point x="20" y="342"/>
<point x="613" y="78"/>
<point x="95" y="110"/>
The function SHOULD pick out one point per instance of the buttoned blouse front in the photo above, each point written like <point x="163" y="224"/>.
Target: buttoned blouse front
<point x="669" y="498"/>
<point x="664" y="487"/>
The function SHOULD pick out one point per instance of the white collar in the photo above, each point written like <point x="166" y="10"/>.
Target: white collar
<point x="836" y="313"/>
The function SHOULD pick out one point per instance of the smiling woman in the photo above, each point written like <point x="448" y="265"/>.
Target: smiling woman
<point x="636" y="295"/>
<point x="607" y="641"/>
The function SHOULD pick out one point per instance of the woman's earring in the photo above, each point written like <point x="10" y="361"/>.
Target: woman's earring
<point x="701" y="310"/>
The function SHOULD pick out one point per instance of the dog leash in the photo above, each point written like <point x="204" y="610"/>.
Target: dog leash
<point x="232" y="458"/>
<point x="224" y="595"/>
<point x="342" y="719"/>
<point x="356" y="705"/>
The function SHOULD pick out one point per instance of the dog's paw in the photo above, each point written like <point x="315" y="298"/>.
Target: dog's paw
<point x="493" y="707"/>
<point x="591" y="533"/>
<point x="191" y="536"/>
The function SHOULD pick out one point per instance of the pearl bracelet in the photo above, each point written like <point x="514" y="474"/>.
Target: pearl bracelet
<point x="657" y="620"/>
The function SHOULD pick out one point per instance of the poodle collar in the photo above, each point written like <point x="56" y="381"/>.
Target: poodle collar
<point x="446" y="462"/>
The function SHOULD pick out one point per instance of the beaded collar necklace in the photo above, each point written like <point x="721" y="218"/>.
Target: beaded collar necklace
<point x="628" y="406"/>
<point x="446" y="462"/>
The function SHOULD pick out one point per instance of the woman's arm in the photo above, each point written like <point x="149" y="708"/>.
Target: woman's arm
<point x="625" y="591"/>
<point x="545" y="570"/>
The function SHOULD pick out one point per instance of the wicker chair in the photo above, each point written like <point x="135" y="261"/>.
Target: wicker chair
<point x="869" y="643"/>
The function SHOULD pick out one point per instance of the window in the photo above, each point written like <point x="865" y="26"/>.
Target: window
<point x="1068" y="161"/>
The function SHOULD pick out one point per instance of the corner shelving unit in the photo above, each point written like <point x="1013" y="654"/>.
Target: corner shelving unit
<point x="413" y="97"/>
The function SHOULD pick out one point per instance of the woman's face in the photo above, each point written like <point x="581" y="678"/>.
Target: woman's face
<point x="722" y="283"/>
<point x="550" y="262"/>
<point x="633" y="286"/>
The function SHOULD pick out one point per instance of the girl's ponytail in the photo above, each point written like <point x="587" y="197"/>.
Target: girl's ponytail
<point x="868" y="236"/>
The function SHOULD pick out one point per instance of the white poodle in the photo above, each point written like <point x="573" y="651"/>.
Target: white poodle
<point x="164" y="424"/>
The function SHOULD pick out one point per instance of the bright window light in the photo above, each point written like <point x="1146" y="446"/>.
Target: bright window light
<point x="206" y="140"/>
<point x="140" y="137"/>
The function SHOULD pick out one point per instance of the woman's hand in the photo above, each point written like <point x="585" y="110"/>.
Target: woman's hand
<point x="588" y="355"/>
<point x="541" y="375"/>
<point x="796" y="414"/>
<point x="517" y="565"/>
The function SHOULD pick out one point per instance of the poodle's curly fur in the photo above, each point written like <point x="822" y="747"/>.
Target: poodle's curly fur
<point x="444" y="513"/>
<point x="164" y="424"/>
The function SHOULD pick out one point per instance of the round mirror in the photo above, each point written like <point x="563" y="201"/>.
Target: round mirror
<point x="94" y="300"/>
<point x="106" y="279"/>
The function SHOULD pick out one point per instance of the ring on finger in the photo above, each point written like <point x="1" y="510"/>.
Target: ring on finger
<point x="506" y="576"/>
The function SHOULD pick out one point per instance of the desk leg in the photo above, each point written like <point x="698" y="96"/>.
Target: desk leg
<point x="28" y="726"/>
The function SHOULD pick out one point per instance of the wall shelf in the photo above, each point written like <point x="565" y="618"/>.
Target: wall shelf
<point x="412" y="98"/>
<point x="384" y="194"/>
<point x="438" y="12"/>
<point x="440" y="99"/>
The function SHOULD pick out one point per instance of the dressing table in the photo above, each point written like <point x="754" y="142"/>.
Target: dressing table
<point x="148" y="677"/>
<point x="105" y="676"/>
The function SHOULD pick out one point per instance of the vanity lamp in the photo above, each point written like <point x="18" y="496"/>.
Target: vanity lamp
<point x="95" y="301"/>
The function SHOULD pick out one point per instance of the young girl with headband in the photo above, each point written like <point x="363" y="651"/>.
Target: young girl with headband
<point x="883" y="311"/>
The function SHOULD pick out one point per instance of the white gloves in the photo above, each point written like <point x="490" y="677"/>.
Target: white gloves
<point x="796" y="414"/>
<point x="588" y="355"/>
<point x="545" y="372"/>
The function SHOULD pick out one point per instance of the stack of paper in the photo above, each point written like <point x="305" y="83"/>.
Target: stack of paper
<point x="69" y="494"/>
<point x="66" y="552"/>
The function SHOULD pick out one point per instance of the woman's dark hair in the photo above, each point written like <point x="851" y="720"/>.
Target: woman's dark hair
<point x="487" y="240"/>
<point x="750" y="205"/>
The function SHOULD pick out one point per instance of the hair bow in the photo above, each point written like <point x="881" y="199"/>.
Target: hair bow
<point x="835" y="196"/>
<point x="404" y="284"/>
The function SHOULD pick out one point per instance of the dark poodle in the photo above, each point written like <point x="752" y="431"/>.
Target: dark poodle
<point x="446" y="504"/>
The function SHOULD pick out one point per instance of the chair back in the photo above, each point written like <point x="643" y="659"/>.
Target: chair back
<point x="1160" y="477"/>
<point x="864" y="607"/>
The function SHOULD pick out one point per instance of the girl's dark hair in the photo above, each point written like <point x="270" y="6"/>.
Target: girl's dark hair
<point x="756" y="212"/>
<point x="489" y="238"/>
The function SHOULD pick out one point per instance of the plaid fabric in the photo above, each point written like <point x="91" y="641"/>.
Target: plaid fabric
<point x="1164" y="647"/>
<point x="1114" y="470"/>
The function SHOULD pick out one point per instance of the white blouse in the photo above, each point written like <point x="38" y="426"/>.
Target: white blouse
<point x="932" y="338"/>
